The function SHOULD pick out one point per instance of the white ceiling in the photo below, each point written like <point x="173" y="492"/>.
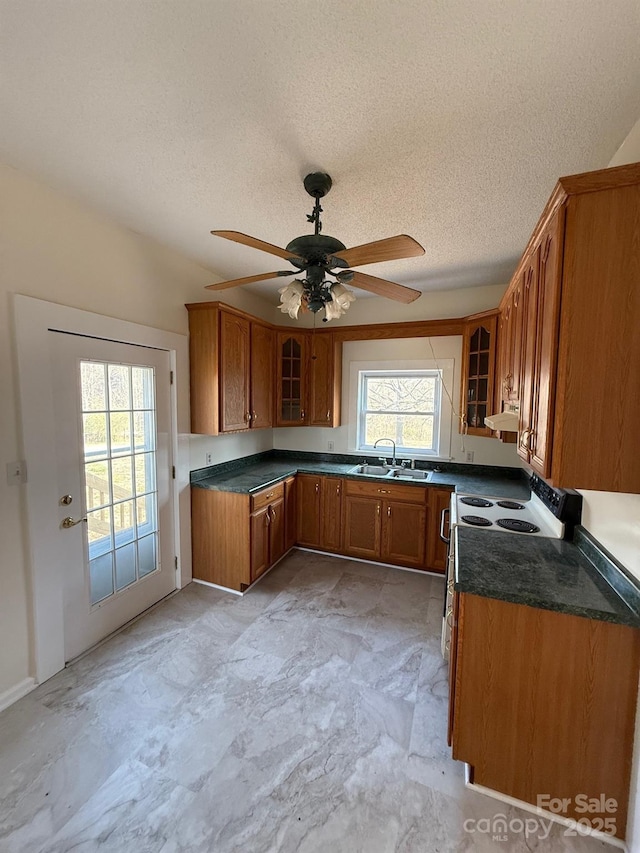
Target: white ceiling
<point x="447" y="120"/>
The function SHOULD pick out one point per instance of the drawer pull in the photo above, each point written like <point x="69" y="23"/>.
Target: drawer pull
<point x="384" y="491"/>
<point x="270" y="495"/>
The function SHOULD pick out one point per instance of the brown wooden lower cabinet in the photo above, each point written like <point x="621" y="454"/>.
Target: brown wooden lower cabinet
<point x="291" y="512"/>
<point x="309" y="503"/>
<point x="439" y="500"/>
<point x="394" y="523"/>
<point x="331" y="534"/>
<point x="404" y="533"/>
<point x="237" y="537"/>
<point x="543" y="703"/>
<point x="362" y="527"/>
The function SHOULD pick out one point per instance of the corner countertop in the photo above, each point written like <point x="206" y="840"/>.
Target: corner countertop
<point x="547" y="573"/>
<point x="263" y="473"/>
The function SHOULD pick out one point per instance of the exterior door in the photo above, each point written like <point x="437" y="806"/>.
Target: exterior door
<point x="113" y="452"/>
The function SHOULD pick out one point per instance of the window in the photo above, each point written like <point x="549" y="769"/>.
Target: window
<point x="119" y="433"/>
<point x="403" y="405"/>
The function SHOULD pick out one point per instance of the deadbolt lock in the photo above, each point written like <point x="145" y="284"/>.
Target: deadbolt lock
<point x="65" y="500"/>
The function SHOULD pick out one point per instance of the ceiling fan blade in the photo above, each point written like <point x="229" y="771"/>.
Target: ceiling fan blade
<point x="381" y="287"/>
<point x="234" y="282"/>
<point x="391" y="249"/>
<point x="254" y="243"/>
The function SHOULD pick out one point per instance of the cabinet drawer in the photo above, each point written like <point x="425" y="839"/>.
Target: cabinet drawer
<point x="386" y="491"/>
<point x="267" y="496"/>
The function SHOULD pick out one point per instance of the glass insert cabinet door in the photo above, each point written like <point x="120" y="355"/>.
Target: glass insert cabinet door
<point x="292" y="354"/>
<point x="119" y="470"/>
<point x="478" y="365"/>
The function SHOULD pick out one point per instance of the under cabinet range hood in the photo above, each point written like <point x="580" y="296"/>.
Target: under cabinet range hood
<point x="503" y="421"/>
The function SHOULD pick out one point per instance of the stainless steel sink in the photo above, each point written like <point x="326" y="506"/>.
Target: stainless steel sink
<point x="412" y="474"/>
<point x="371" y="470"/>
<point x="387" y="471"/>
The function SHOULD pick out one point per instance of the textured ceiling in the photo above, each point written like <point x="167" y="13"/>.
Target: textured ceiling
<point x="449" y="121"/>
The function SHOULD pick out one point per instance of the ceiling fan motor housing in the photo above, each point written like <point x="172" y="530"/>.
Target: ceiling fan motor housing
<point x="318" y="184"/>
<point x="317" y="248"/>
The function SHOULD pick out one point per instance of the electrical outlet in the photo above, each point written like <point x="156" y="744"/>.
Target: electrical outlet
<point x="329" y="445"/>
<point x="16" y="472"/>
<point x="469" y="455"/>
<point x="208" y="458"/>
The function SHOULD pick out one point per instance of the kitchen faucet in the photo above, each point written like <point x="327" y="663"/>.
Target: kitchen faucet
<point x="377" y="442"/>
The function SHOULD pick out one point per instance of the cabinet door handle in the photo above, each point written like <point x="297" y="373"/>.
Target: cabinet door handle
<point x="337" y="490"/>
<point x="267" y="519"/>
<point x="272" y="510"/>
<point x="388" y="512"/>
<point x="328" y="414"/>
<point x="524" y="439"/>
<point x="317" y="488"/>
<point x="378" y="509"/>
<point x="247" y="417"/>
<point x="254" y="416"/>
<point x="301" y="414"/>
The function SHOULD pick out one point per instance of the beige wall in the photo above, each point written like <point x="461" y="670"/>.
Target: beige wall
<point x="486" y="451"/>
<point x="54" y="249"/>
<point x="435" y="305"/>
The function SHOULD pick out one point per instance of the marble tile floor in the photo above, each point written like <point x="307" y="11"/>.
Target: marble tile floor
<point x="308" y="716"/>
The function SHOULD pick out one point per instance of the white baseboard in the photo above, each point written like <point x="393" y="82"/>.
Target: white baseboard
<point x="372" y="562"/>
<point x="16" y="692"/>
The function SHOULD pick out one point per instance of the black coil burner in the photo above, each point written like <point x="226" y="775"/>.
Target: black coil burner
<point x="476" y="502"/>
<point x="476" y="520"/>
<point x="510" y="505"/>
<point x="517" y="525"/>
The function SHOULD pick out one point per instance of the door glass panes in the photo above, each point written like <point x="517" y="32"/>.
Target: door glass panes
<point x="119" y="442"/>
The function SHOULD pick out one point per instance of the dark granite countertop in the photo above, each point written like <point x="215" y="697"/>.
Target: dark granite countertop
<point x="548" y="573"/>
<point x="264" y="472"/>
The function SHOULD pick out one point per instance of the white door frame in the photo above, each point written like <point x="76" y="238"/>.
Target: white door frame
<point x="34" y="318"/>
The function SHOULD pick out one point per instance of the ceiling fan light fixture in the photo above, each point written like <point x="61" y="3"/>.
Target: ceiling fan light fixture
<point x="291" y="298"/>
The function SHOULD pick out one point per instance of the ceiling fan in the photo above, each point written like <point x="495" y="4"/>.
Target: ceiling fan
<point x="316" y="256"/>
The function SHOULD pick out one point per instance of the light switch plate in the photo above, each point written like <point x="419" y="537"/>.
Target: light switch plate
<point x="16" y="472"/>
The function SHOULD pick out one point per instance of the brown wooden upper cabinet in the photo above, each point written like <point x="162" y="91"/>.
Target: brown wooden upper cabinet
<point x="309" y="379"/>
<point x="235" y="359"/>
<point x="574" y="346"/>
<point x="262" y="375"/>
<point x="478" y="366"/>
<point x="325" y="380"/>
<point x="232" y="367"/>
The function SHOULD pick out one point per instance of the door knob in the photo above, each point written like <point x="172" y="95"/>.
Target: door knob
<point x="71" y="522"/>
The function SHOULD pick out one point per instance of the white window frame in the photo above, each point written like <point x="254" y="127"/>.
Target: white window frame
<point x="430" y="373"/>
